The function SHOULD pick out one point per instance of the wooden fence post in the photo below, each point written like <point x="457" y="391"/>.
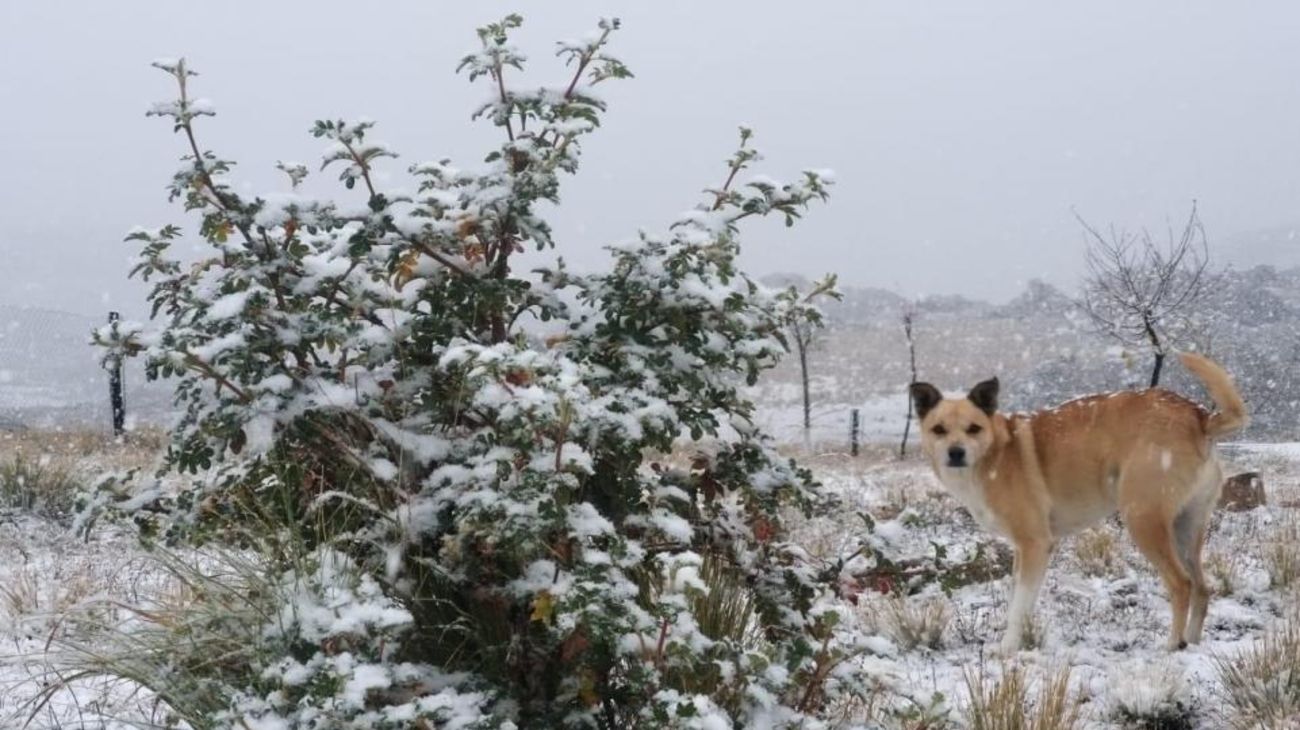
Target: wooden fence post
<point x="115" y="398"/>
<point x="855" y="427"/>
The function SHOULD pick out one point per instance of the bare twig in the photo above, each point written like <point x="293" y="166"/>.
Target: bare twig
<point x="1142" y="293"/>
<point x="909" y="317"/>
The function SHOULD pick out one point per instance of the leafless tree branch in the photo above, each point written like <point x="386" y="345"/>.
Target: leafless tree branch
<point x="1143" y="293"/>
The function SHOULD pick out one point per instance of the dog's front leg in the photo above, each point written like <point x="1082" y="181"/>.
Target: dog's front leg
<point x="1030" y="567"/>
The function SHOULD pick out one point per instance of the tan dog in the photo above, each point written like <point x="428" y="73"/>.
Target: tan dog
<point x="1035" y="478"/>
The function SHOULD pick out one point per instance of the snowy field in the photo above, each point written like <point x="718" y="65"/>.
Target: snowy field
<point x="1102" y="614"/>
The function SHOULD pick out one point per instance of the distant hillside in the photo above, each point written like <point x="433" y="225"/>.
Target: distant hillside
<point x="1045" y="350"/>
<point x="859" y="304"/>
<point x="1261" y="295"/>
<point x="1278" y="247"/>
<point x="1038" y="342"/>
<point x="1038" y="298"/>
<point x="952" y="305"/>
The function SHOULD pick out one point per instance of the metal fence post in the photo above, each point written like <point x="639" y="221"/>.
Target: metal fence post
<point x="854" y="431"/>
<point x="115" y="398"/>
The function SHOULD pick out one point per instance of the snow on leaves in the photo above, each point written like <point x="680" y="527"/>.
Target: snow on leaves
<point x="373" y="364"/>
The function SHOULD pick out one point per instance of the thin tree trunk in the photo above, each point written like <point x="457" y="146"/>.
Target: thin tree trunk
<point x="907" y="429"/>
<point x="802" y="344"/>
<point x="911" y="352"/>
<point x="1159" y="351"/>
<point x="1155" y="372"/>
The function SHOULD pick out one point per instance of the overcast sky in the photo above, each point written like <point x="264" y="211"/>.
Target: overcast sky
<point x="962" y="133"/>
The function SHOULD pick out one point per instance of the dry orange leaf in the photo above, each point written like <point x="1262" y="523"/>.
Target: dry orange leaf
<point x="406" y="269"/>
<point x="543" y="607"/>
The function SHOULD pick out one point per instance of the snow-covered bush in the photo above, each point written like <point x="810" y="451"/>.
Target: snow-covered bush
<point x="889" y="559"/>
<point x="475" y="460"/>
<point x="914" y="623"/>
<point x="1152" y="696"/>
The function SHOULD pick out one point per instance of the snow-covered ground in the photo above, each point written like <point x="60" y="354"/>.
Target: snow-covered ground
<point x="46" y="572"/>
<point x="880" y="421"/>
<point x="1107" y="622"/>
<point x="1105" y="616"/>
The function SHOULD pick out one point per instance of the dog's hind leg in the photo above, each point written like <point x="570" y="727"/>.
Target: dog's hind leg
<point x="1189" y="532"/>
<point x="1190" y="528"/>
<point x="1152" y="529"/>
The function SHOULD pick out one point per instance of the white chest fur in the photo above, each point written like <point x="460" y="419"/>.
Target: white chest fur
<point x="965" y="485"/>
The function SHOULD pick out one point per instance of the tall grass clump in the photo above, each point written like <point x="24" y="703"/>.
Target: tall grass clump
<point x="1260" y="685"/>
<point x="43" y="485"/>
<point x="1012" y="701"/>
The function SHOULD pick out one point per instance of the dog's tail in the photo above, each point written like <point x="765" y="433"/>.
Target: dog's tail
<point x="1231" y="413"/>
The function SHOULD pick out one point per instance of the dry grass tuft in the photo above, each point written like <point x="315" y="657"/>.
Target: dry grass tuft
<point x="913" y="624"/>
<point x="42" y="471"/>
<point x="43" y="484"/>
<point x="32" y="598"/>
<point x="1098" y="551"/>
<point x="1261" y="684"/>
<point x="76" y="447"/>
<point x="1281" y="554"/>
<point x="1013" y="702"/>
<point x="1224" y="572"/>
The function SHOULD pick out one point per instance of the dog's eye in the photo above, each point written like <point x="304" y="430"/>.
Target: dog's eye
<point x="974" y="428"/>
<point x="939" y="431"/>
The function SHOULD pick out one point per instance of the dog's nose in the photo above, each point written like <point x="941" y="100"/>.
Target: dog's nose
<point x="956" y="455"/>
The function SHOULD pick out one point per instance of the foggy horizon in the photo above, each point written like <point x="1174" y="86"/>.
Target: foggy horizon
<point x="963" y="139"/>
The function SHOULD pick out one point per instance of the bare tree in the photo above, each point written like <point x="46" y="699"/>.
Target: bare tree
<point x="802" y="332"/>
<point x="909" y="317"/>
<point x="1142" y="293"/>
<point x="803" y="323"/>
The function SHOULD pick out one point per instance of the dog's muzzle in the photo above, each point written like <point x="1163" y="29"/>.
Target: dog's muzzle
<point x="956" y="456"/>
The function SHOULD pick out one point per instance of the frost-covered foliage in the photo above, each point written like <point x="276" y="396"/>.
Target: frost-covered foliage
<point x="337" y="635"/>
<point x="1155" y="695"/>
<point x="502" y="528"/>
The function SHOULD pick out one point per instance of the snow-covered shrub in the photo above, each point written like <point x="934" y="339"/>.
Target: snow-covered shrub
<point x="1156" y="696"/>
<point x="230" y="640"/>
<point x="372" y="379"/>
<point x="886" y="559"/>
<point x="914" y="622"/>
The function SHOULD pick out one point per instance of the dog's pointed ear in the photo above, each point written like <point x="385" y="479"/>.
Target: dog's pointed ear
<point x="925" y="397"/>
<point x="985" y="396"/>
